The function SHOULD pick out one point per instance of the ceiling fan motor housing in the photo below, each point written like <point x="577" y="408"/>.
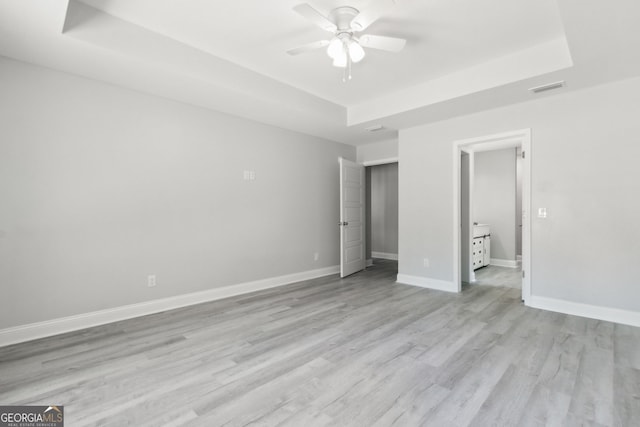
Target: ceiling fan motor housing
<point x="342" y="17"/>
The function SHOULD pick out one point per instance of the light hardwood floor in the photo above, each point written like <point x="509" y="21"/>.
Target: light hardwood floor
<point x="493" y="275"/>
<point x="362" y="351"/>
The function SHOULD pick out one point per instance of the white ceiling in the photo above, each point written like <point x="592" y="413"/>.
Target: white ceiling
<point x="461" y="56"/>
<point x="256" y="35"/>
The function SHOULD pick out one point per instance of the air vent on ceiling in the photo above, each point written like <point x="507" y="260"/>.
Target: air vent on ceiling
<point x="375" y="128"/>
<point x="550" y="86"/>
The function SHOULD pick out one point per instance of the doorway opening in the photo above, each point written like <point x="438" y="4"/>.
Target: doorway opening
<point x="382" y="213"/>
<point x="476" y="246"/>
<point x="368" y="215"/>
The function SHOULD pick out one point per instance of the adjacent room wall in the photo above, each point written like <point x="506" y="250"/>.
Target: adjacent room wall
<point x="101" y="186"/>
<point x="494" y="199"/>
<point x="585" y="151"/>
<point x="384" y="210"/>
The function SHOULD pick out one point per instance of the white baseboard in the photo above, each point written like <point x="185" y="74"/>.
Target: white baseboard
<point x="625" y="317"/>
<point x="48" y="328"/>
<point x="504" y="262"/>
<point x="369" y="262"/>
<point x="384" y="255"/>
<point x="425" y="282"/>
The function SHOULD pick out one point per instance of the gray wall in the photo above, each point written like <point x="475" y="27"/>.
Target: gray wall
<point x="101" y="186"/>
<point x="585" y="150"/>
<point x="384" y="208"/>
<point x="494" y="199"/>
<point x="377" y="151"/>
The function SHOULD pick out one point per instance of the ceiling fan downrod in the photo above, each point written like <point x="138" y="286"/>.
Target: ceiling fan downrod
<point x="347" y="70"/>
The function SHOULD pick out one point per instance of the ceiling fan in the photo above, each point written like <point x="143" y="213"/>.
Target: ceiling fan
<point x="346" y="46"/>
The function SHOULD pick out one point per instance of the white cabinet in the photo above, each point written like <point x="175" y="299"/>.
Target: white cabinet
<point x="478" y="252"/>
<point x="487" y="250"/>
<point x="481" y="247"/>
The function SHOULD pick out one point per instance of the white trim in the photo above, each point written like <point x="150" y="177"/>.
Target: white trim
<point x="384" y="255"/>
<point x="48" y="328"/>
<point x="493" y="142"/>
<point x="510" y="263"/>
<point x="472" y="272"/>
<point x="625" y="317"/>
<point x="369" y="262"/>
<point x="425" y="282"/>
<point x="380" y="161"/>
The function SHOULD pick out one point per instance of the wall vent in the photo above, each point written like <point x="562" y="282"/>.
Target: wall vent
<point x="375" y="128"/>
<point x="550" y="86"/>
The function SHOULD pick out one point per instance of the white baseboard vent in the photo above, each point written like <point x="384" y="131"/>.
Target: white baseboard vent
<point x="504" y="262"/>
<point x="425" y="282"/>
<point x="18" y="334"/>
<point x="616" y="315"/>
<point x="384" y="255"/>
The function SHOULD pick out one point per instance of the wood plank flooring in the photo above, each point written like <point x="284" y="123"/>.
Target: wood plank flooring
<point x="492" y="275"/>
<point x="361" y="351"/>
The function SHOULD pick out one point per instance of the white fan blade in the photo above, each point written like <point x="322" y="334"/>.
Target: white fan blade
<point x="308" y="47"/>
<point x="316" y="17"/>
<point x="371" y="14"/>
<point x="391" y="44"/>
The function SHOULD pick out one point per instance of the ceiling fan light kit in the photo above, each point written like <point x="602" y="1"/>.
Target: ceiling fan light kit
<point x="336" y="48"/>
<point x="344" y="48"/>
<point x="356" y="52"/>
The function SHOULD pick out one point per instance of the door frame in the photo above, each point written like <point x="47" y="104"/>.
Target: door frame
<point x="386" y="161"/>
<point x="367" y="163"/>
<point x="378" y="162"/>
<point x="471" y="172"/>
<point x="511" y="139"/>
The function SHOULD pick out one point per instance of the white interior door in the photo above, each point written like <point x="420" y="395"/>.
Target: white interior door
<point x="352" y="243"/>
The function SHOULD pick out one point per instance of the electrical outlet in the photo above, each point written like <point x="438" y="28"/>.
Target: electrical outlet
<point x="151" y="280"/>
<point x="425" y="262"/>
<point x="316" y="256"/>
